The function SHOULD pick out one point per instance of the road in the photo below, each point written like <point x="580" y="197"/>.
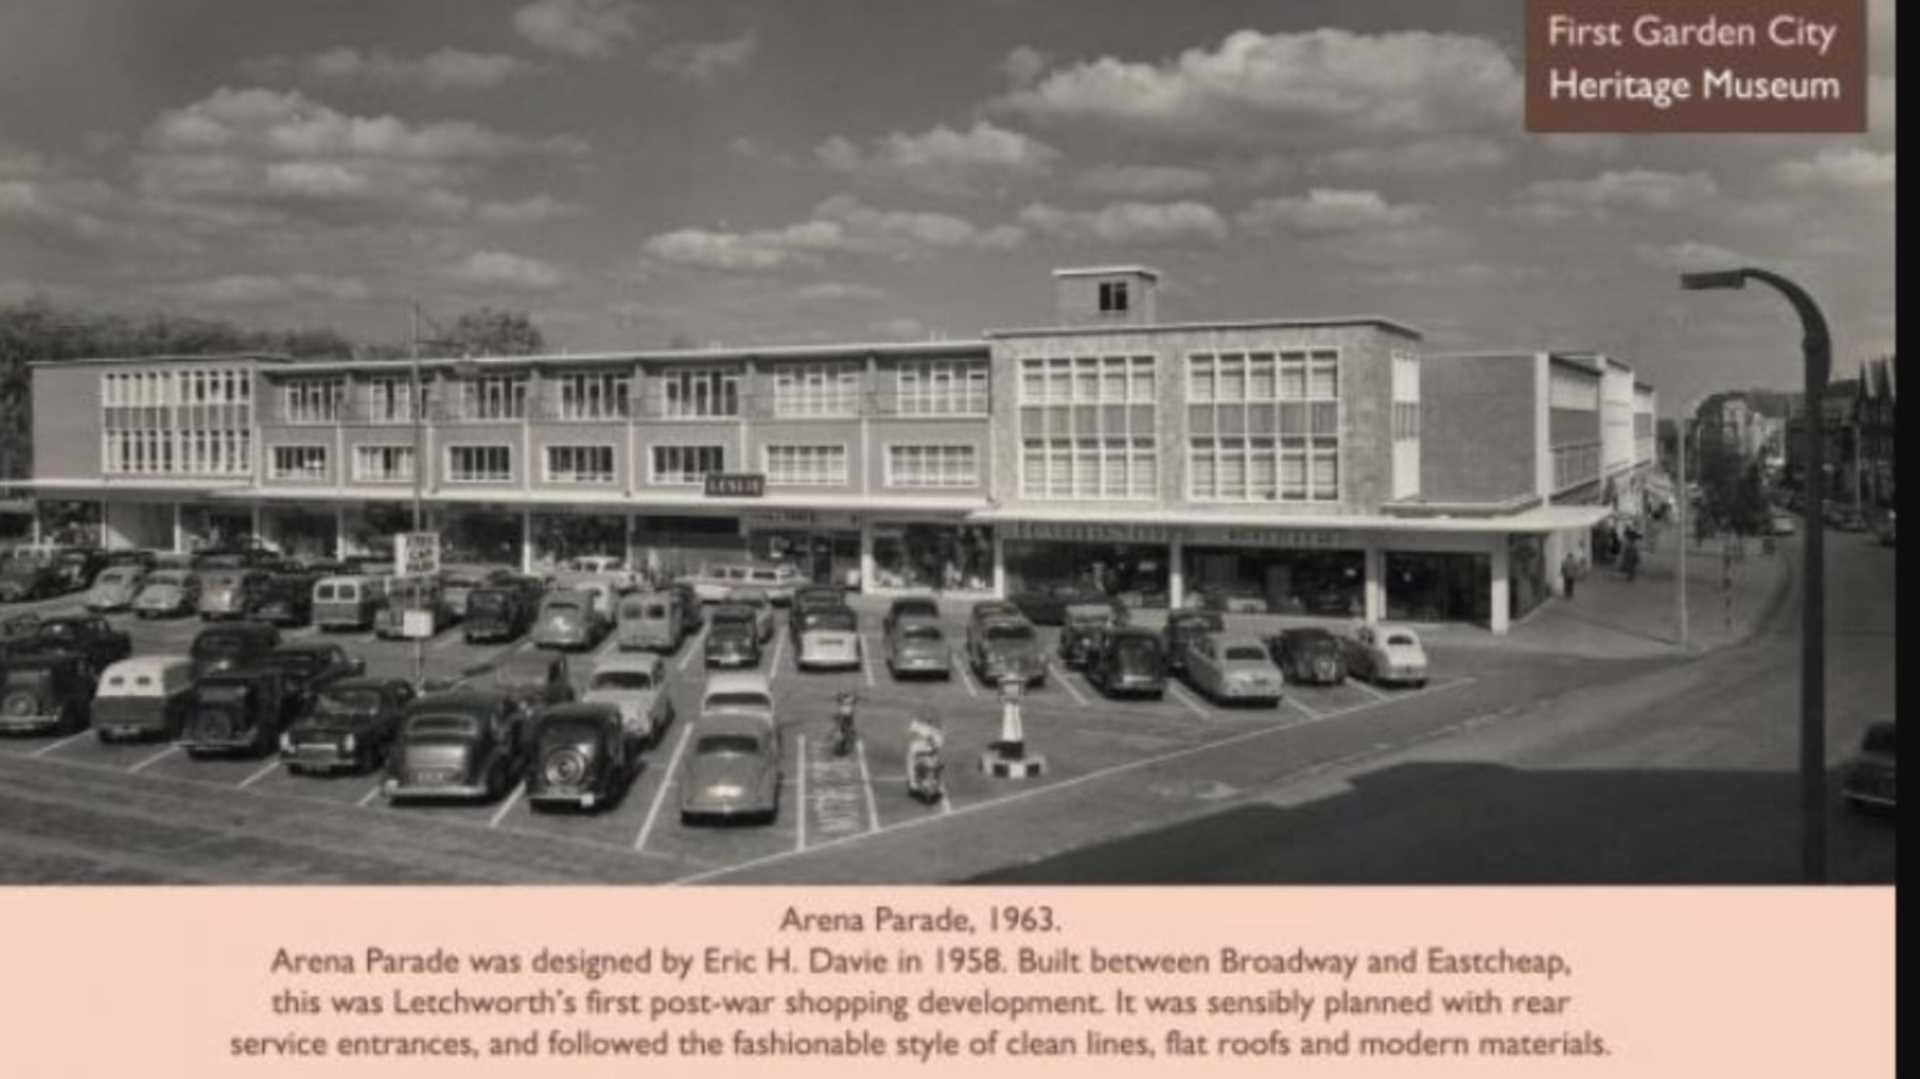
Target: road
<point x="1681" y="773"/>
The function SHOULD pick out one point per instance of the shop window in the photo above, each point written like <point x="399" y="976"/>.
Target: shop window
<point x="1438" y="587"/>
<point x="1134" y="573"/>
<point x="1329" y="584"/>
<point x="933" y="557"/>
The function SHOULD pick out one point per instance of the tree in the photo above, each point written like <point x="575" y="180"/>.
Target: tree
<point x="1732" y="493"/>
<point x="488" y="332"/>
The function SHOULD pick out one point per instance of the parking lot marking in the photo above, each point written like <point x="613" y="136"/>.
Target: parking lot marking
<point x="1059" y="785"/>
<point x="447" y="641"/>
<point x="369" y="796"/>
<point x="1186" y="698"/>
<point x="155" y="759"/>
<point x="1368" y="690"/>
<point x="800" y="813"/>
<point x="866" y="783"/>
<point x="693" y="647"/>
<point x="265" y="770"/>
<point x="51" y="746"/>
<point x="966" y="678"/>
<point x="660" y="796"/>
<point x="1295" y="701"/>
<point x="866" y="666"/>
<point x="1065" y="681"/>
<point x="506" y="805"/>
<point x="779" y="646"/>
<point x="612" y="642"/>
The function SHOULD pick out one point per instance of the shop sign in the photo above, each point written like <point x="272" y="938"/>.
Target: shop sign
<point x="736" y="484"/>
<point x="1088" y="532"/>
<point x="1269" y="537"/>
<point x="804" y="520"/>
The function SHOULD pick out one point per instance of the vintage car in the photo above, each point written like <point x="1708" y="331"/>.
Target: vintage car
<point x="1081" y="625"/>
<point x="1129" y="660"/>
<point x="231" y="593"/>
<point x="712" y="581"/>
<point x="998" y="648"/>
<point x="778" y="580"/>
<point x="640" y="687"/>
<point x="568" y="619"/>
<point x="231" y="645"/>
<point x="1386" y="654"/>
<point x="604" y="566"/>
<point x="651" y="620"/>
<point x="348" y="725"/>
<point x="115" y="587"/>
<point x="762" y="605"/>
<point x="1232" y="668"/>
<point x="142" y="557"/>
<point x="287" y="600"/>
<point x="496" y="613"/>
<point x="917" y="645"/>
<point x="1868" y="780"/>
<point x="581" y="756"/>
<point x="1047" y="605"/>
<point x="1309" y="656"/>
<point x="309" y="666"/>
<point x="25" y="576"/>
<point x="534" y="679"/>
<point x="457" y="582"/>
<point x="143" y="697"/>
<point x="45" y="691"/>
<point x="347" y="602"/>
<point x="602" y="590"/>
<point x="988" y="609"/>
<point x="89" y="636"/>
<point x="1183" y="625"/>
<point x="800" y="619"/>
<point x="167" y="592"/>
<point x="461" y="745"/>
<point x="909" y="607"/>
<point x="733" y="637"/>
<point x="411" y="594"/>
<point x="78" y="566"/>
<point x="237" y="710"/>
<point x="733" y="767"/>
<point x="818" y="595"/>
<point x="829" y="638"/>
<point x="690" y="610"/>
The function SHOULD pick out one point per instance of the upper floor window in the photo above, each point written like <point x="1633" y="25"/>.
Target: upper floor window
<point x="699" y="393"/>
<point x="390" y="400"/>
<point x="1113" y="296"/>
<point x="494" y="397"/>
<point x="383" y="464"/>
<point x="580" y="464"/>
<point x="942" y="388"/>
<point x="479" y="464"/>
<point x="816" y="389"/>
<point x="299" y="463"/>
<point x="686" y="464"/>
<point x="601" y="396"/>
<point x="807" y="466"/>
<point x="1406" y="420"/>
<point x="311" y="400"/>
<point x="1087" y="380"/>
<point x="932" y="466"/>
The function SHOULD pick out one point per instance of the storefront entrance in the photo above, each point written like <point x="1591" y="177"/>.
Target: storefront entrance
<point x="932" y="557"/>
<point x="1268" y="581"/>
<point x="299" y="533"/>
<point x="558" y="537"/>
<point x="215" y="528"/>
<point x="676" y="546"/>
<point x="1435" y="586"/>
<point x="1134" y="573"/>
<point x="823" y="557"/>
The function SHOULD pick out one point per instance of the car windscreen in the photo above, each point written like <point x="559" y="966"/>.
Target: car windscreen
<point x="569" y="730"/>
<point x="1197" y="623"/>
<point x="920" y="633"/>
<point x="1245" y="652"/>
<point x="220" y="645"/>
<point x="116" y="576"/>
<point x="747" y="701"/>
<point x="732" y="616"/>
<point x="567" y="607"/>
<point x="654" y="610"/>
<point x="1137" y="649"/>
<point x="764" y="575"/>
<point x="59" y="631"/>
<point x="1401" y="640"/>
<point x="727" y="745"/>
<point x="627" y="680"/>
<point x="356" y="701"/>
<point x="838" y="621"/>
<point x="1013" y="632"/>
<point x="487" y="601"/>
<point x="302" y="662"/>
<point x="444" y="726"/>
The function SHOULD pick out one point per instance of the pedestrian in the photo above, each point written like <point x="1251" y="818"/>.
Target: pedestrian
<point x="1569" y="572"/>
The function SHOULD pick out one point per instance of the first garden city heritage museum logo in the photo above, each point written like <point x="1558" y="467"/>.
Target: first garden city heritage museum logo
<point x="1778" y="66"/>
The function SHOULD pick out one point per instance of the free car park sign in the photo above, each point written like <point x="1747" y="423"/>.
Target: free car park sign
<point x="416" y="554"/>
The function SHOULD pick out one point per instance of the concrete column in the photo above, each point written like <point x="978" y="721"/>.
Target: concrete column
<point x="179" y="533"/>
<point x="106" y="536"/>
<point x="35" y="536"/>
<point x="1176" y="573"/>
<point x="340" y="531"/>
<point x="999" y="565"/>
<point x="1497" y="620"/>
<point x="526" y="541"/>
<point x="627" y="551"/>
<point x="866" y="555"/>
<point x="1374" y="588"/>
<point x="253" y="523"/>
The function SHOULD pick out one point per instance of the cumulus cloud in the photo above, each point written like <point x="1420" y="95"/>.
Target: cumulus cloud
<point x="507" y="270"/>
<point x="706" y="61"/>
<point x="1329" y="210"/>
<point x="1136" y="224"/>
<point x="1838" y="168"/>
<point x="1280" y="88"/>
<point x="1641" y="190"/>
<point x="443" y="69"/>
<point x="1143" y="181"/>
<point x="1419" y="157"/>
<point x="840" y="224"/>
<point x="943" y="161"/>
<point x="245" y="289"/>
<point x="586" y="29"/>
<point x="1023" y="65"/>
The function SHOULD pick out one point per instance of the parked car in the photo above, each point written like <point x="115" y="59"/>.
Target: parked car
<point x="779" y="581"/>
<point x="457" y="582"/>
<point x="144" y="558"/>
<point x="167" y="592"/>
<point x="762" y="604"/>
<point x="78" y="566"/>
<point x="568" y="619"/>
<point x="115" y="587"/>
<point x="831" y="638"/>
<point x="236" y="710"/>
<point x="1182" y="626"/>
<point x="690" y="611"/>
<point x="534" y="679"/>
<point x="1080" y="626"/>
<point x="917" y="645"/>
<point x="462" y="745"/>
<point x="25" y="577"/>
<point x="1309" y="656"/>
<point x="800" y="619"/>
<point x="733" y="637"/>
<point x="347" y="602"/>
<point x="1129" y="660"/>
<point x="1001" y="647"/>
<point x="90" y="636"/>
<point x="45" y="692"/>
<point x="496" y="613"/>
<point x="1386" y="653"/>
<point x="287" y="600"/>
<point x="411" y="594"/>
<point x="711" y="582"/>
<point x="348" y="725"/>
<point x="1233" y="668"/>
<point x="309" y="666"/>
<point x="609" y="567"/>
<point x="232" y="645"/>
<point x="143" y="697"/>
<point x="810" y="596"/>
<point x="1047" y="605"/>
<point x="909" y="607"/>
<point x="651" y="620"/>
<point x="1868" y="780"/>
<point x="640" y="687"/>
<point x="733" y="769"/>
<point x="581" y="756"/>
<point x="231" y="593"/>
<point x="989" y="609"/>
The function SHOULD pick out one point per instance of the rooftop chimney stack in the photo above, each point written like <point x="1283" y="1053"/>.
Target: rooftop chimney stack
<point x="1105" y="295"/>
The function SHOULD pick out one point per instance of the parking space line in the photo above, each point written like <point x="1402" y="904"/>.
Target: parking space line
<point x="155" y="759"/>
<point x="1369" y="690"/>
<point x="1187" y="699"/>
<point x="1295" y="701"/>
<point x="866" y="783"/>
<point x="265" y="770"/>
<point x="1058" y="785"/>
<point x="51" y="746"/>
<point x="800" y="800"/>
<point x="369" y="796"/>
<point x="779" y="647"/>
<point x="506" y="805"/>
<point x="966" y="677"/>
<point x="1065" y="681"/>
<point x="866" y="665"/>
<point x="693" y="647"/>
<point x="660" y="796"/>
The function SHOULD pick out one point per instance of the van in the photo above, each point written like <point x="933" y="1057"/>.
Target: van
<point x="713" y="581"/>
<point x="346" y="602"/>
<point x="652" y="620"/>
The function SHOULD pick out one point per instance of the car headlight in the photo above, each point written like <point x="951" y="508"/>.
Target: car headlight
<point x="348" y="743"/>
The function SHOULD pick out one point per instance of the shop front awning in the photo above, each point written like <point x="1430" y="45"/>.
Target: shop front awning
<point x="1177" y="522"/>
<point x="99" y="487"/>
<point x="615" y="501"/>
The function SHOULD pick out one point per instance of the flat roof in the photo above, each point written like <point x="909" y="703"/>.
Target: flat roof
<point x="1538" y="518"/>
<point x="1191" y="327"/>
<point x="1097" y="271"/>
<point x="211" y="357"/>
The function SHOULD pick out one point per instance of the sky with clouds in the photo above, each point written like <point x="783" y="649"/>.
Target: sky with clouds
<point x="634" y="172"/>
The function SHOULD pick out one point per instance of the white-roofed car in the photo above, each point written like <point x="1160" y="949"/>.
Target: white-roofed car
<point x="143" y="697"/>
<point x="1233" y="667"/>
<point x="831" y="638"/>
<point x="637" y="685"/>
<point x="733" y="766"/>
<point x="761" y="602"/>
<point x="115" y="587"/>
<point x="1386" y="654"/>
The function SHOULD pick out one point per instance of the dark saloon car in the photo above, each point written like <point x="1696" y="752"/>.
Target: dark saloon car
<point x="1081" y="626"/>
<point x="1047" y="606"/>
<point x="1183" y="626"/>
<point x="46" y="691"/>
<point x="348" y="727"/>
<point x="1869" y="781"/>
<point x="88" y="636"/>
<point x="581" y="756"/>
<point x="236" y="710"/>
<point x="232" y="645"/>
<point x="497" y="613"/>
<point x="310" y="665"/>
<point x="1131" y="660"/>
<point x="460" y="745"/>
<point x="24" y="577"/>
<point x="534" y="680"/>
<point x="1000" y="648"/>
<point x="733" y="637"/>
<point x="909" y="607"/>
<point x="1309" y="656"/>
<point x="287" y="600"/>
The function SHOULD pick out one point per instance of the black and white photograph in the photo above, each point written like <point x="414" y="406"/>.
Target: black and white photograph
<point x="646" y="442"/>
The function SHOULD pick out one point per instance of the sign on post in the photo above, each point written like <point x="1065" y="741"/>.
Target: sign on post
<point x="416" y="625"/>
<point x="416" y="554"/>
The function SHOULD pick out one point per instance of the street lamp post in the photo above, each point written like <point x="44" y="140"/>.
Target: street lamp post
<point x="1817" y="350"/>
<point x="1684" y="500"/>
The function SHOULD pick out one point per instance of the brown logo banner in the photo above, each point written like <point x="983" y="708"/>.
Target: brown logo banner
<point x="1696" y="65"/>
